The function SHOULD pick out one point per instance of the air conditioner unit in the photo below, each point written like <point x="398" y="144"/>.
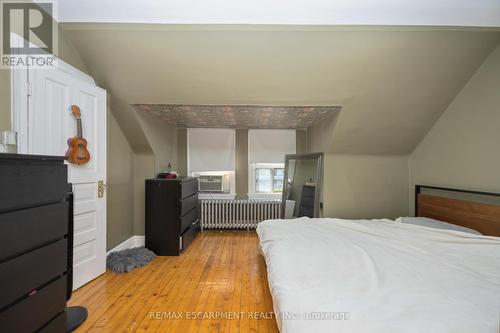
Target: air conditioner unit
<point x="213" y="183"/>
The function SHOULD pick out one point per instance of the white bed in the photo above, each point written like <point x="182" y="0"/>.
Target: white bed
<point x="380" y="276"/>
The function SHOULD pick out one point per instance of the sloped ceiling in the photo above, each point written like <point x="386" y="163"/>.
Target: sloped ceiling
<point x="392" y="83"/>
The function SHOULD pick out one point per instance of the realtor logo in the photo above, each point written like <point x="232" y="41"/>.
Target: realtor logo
<point x="29" y="33"/>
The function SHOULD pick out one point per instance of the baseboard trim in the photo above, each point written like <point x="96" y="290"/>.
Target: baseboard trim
<point x="133" y="241"/>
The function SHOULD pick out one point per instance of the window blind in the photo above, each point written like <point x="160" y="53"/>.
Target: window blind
<point x="210" y="149"/>
<point x="270" y="145"/>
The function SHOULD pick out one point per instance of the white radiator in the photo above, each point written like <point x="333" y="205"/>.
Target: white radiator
<point x="237" y="214"/>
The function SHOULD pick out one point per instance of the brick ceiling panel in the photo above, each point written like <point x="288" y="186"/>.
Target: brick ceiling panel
<point x="238" y="116"/>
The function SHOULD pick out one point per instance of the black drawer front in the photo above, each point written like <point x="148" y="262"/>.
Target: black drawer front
<point x="23" y="274"/>
<point x="308" y="193"/>
<point x="188" y="219"/>
<point x="23" y="230"/>
<point x="29" y="185"/>
<point x="189" y="188"/>
<point x="189" y="235"/>
<point x="56" y="325"/>
<point x="189" y="203"/>
<point x="31" y="314"/>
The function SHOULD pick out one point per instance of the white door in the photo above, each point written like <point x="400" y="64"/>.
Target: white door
<point x="49" y="125"/>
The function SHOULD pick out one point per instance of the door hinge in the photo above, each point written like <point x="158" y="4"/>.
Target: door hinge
<point x="30" y="89"/>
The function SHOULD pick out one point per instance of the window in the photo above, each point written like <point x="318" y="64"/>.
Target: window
<point x="211" y="152"/>
<point x="266" y="156"/>
<point x="269" y="180"/>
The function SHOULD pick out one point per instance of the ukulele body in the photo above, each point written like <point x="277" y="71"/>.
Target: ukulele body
<point x="77" y="152"/>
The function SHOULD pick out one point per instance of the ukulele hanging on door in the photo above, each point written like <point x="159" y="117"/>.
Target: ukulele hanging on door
<point x="77" y="152"/>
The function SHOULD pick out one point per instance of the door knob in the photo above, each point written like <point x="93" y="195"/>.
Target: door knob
<point x="101" y="187"/>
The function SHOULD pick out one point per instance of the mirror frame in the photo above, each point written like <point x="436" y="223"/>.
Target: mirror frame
<point x="319" y="180"/>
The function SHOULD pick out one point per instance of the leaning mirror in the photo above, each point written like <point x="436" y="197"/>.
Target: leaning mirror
<point x="302" y="185"/>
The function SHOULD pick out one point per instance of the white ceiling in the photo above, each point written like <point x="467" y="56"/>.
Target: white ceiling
<point x="480" y="13"/>
<point x="392" y="84"/>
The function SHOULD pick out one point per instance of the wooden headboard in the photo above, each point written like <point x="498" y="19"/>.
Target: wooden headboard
<point x="482" y="217"/>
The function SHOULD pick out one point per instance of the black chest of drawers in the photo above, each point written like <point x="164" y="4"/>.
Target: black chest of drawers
<point x="171" y="214"/>
<point x="35" y="238"/>
<point x="306" y="207"/>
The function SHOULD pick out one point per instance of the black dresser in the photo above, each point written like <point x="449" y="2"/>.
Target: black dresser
<point x="35" y="242"/>
<point x="307" y="200"/>
<point x="171" y="214"/>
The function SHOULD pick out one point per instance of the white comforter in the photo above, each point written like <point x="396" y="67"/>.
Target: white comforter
<point x="380" y="276"/>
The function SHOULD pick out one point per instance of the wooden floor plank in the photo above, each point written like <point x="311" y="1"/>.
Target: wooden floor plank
<point x="213" y="287"/>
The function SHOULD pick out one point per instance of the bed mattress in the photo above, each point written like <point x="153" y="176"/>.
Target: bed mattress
<point x="333" y="275"/>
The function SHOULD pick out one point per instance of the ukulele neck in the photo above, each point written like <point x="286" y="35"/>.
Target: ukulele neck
<point x="79" y="133"/>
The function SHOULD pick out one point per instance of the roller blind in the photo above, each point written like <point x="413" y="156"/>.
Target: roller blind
<point x="210" y="149"/>
<point x="270" y="146"/>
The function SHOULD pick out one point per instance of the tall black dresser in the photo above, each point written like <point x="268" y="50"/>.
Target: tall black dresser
<point x="35" y="243"/>
<point x="307" y="200"/>
<point x="171" y="214"/>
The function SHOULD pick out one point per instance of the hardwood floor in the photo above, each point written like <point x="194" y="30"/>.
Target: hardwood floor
<point x="218" y="285"/>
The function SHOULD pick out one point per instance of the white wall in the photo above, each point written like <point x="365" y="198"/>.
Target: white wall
<point x="120" y="196"/>
<point x="359" y="186"/>
<point x="162" y="139"/>
<point x="144" y="168"/>
<point x="463" y="148"/>
<point x="365" y="186"/>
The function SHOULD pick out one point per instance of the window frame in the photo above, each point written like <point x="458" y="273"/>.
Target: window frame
<point x="252" y="194"/>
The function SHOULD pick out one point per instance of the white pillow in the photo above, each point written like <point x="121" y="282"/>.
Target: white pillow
<point x="431" y="223"/>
